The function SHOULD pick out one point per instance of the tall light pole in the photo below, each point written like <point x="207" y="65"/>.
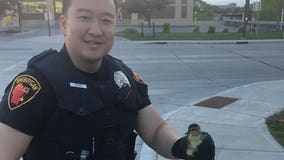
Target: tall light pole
<point x="19" y="10"/>
<point x="282" y="16"/>
<point x="246" y="13"/>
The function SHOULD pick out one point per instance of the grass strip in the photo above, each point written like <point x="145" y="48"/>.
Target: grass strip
<point x="201" y="36"/>
<point x="275" y="124"/>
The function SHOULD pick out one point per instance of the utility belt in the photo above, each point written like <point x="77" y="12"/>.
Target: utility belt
<point x="89" y="154"/>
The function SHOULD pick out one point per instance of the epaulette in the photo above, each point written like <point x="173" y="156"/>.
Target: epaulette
<point x="40" y="56"/>
<point x="113" y="58"/>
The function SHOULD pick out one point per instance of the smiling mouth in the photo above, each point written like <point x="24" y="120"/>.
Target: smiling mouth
<point x="94" y="43"/>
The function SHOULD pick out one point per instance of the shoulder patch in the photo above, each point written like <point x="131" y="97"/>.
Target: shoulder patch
<point x="138" y="78"/>
<point x="23" y="90"/>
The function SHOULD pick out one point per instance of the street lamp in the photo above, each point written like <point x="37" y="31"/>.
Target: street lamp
<point x="245" y="19"/>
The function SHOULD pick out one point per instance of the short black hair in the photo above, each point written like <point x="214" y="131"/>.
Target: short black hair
<point x="67" y="3"/>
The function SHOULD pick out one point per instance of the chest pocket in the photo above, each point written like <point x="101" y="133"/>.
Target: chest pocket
<point x="80" y="101"/>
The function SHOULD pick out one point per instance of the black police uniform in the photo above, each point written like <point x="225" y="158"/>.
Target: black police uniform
<point x="72" y="114"/>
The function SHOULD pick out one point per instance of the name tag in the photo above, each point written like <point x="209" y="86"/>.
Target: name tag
<point x="78" y="85"/>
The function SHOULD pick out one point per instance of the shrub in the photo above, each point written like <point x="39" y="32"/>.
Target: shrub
<point x="166" y="28"/>
<point x="226" y="30"/>
<point x="129" y="31"/>
<point x="240" y="30"/>
<point x="196" y="29"/>
<point x="211" y="29"/>
<point x="13" y="30"/>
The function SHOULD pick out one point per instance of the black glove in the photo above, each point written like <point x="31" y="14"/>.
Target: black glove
<point x="205" y="150"/>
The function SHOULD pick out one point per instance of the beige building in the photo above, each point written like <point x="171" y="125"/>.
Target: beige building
<point x="179" y="12"/>
<point x="37" y="12"/>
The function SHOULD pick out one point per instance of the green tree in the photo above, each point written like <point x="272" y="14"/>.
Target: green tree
<point x="228" y="11"/>
<point x="7" y="5"/>
<point x="144" y="7"/>
<point x="271" y="10"/>
<point x="203" y="11"/>
<point x="235" y="10"/>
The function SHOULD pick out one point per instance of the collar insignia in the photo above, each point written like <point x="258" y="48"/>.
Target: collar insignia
<point x="23" y="90"/>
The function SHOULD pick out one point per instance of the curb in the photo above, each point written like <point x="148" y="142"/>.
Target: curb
<point x="214" y="41"/>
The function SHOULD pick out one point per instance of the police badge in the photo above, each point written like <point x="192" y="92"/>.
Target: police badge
<point x="120" y="79"/>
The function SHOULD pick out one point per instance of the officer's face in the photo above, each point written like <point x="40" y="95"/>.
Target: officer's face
<point x="89" y="29"/>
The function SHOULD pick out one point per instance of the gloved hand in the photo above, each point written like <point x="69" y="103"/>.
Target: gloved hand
<point x="196" y="145"/>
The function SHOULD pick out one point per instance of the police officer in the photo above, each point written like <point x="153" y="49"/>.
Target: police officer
<point x="80" y="103"/>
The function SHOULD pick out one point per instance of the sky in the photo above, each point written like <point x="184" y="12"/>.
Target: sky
<point x="240" y="3"/>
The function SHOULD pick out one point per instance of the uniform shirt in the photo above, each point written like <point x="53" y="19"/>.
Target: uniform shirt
<point x="29" y="99"/>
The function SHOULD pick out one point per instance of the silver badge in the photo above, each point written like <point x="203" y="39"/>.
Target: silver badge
<point x="120" y="78"/>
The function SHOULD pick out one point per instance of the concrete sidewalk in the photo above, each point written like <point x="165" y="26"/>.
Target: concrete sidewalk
<point x="239" y="128"/>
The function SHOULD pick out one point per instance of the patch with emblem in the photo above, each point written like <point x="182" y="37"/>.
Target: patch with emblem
<point x="120" y="79"/>
<point x="138" y="78"/>
<point x="23" y="90"/>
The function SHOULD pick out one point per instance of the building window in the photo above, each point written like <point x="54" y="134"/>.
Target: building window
<point x="184" y="12"/>
<point x="184" y="2"/>
<point x="58" y="7"/>
<point x="34" y="7"/>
